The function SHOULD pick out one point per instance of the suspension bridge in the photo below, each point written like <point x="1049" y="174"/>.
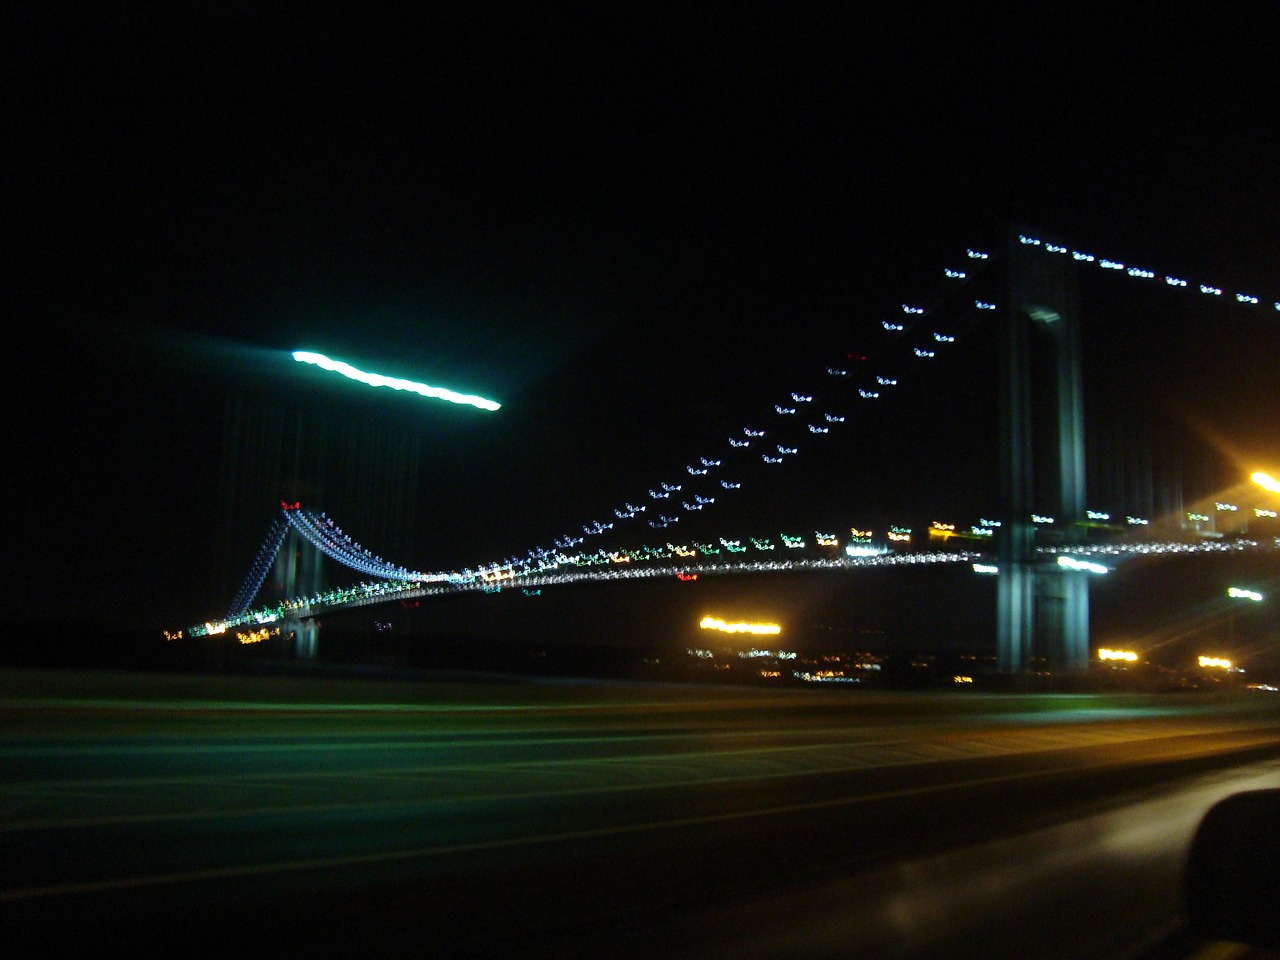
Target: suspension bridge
<point x="1041" y="538"/>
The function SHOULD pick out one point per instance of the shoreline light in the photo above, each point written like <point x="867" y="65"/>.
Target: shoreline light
<point x="1220" y="662"/>
<point x="715" y="623"/>
<point x="1127" y="655"/>
<point x="395" y="383"/>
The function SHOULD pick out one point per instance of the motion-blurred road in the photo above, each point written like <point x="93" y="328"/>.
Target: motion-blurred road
<point x="277" y="817"/>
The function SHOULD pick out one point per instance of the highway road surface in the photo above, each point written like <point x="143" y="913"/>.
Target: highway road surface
<point x="268" y="817"/>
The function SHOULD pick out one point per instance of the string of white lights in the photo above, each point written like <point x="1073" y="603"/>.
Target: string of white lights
<point x="262" y="561"/>
<point x="1144" y="273"/>
<point x="792" y="406"/>
<point x="702" y="559"/>
<point x="364" y="594"/>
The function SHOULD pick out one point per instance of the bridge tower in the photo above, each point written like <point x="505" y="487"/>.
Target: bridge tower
<point x="1042" y="610"/>
<point x="297" y="573"/>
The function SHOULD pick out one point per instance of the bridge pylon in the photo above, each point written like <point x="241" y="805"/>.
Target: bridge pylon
<point x="1042" y="610"/>
<point x="297" y="573"/>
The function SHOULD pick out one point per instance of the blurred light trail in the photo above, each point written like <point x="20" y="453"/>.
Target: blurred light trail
<point x="1071" y="563"/>
<point x="395" y="383"/>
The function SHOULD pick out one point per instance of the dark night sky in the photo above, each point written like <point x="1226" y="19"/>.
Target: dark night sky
<point x="632" y="229"/>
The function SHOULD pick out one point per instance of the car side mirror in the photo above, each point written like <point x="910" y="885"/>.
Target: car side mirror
<point x="1232" y="880"/>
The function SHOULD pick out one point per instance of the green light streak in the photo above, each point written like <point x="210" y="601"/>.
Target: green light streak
<point x="395" y="383"/>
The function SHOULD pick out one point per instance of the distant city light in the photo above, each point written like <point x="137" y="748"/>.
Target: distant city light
<point x="715" y="623"/>
<point x="395" y="383"/>
<point x="1218" y="662"/>
<point x="1127" y="655"/>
